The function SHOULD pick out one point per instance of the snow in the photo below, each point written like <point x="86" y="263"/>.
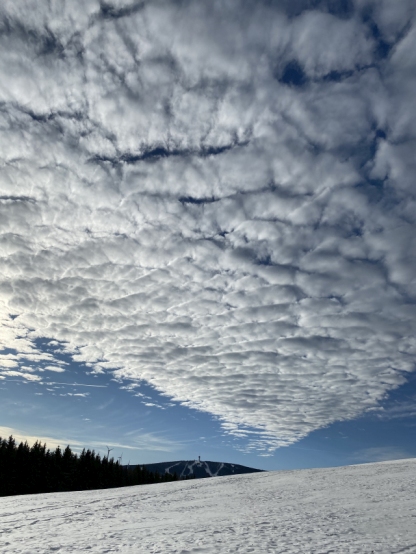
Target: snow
<point x="171" y="469"/>
<point x="208" y="470"/>
<point x="189" y="467"/>
<point x="354" y="509"/>
<point x="199" y="468"/>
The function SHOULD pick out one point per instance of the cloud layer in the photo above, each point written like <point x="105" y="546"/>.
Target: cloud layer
<point x="216" y="198"/>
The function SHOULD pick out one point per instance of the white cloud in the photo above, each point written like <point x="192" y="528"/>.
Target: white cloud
<point x="381" y="454"/>
<point x="174" y="212"/>
<point x="54" y="368"/>
<point x="133" y="440"/>
<point x="22" y="375"/>
<point x="51" y="442"/>
<point x="398" y="410"/>
<point x="82" y="394"/>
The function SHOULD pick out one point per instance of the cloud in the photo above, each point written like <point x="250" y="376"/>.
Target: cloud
<point x="213" y="201"/>
<point x="397" y="410"/>
<point x="82" y="394"/>
<point x="382" y="454"/>
<point x="132" y="440"/>
<point x="21" y="374"/>
<point x="54" y="368"/>
<point x="51" y="442"/>
<point x="77" y="385"/>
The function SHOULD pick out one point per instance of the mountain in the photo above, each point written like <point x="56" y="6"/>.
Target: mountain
<point x="198" y="468"/>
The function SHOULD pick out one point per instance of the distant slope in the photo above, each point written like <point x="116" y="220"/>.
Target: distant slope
<point x="199" y="469"/>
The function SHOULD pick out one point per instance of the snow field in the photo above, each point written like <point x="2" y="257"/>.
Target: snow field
<point x="353" y="509"/>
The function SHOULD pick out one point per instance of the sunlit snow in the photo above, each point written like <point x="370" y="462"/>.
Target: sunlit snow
<point x="354" y="509"/>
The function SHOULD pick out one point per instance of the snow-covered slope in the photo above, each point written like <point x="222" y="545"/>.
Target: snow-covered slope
<point x="355" y="509"/>
<point x="199" y="468"/>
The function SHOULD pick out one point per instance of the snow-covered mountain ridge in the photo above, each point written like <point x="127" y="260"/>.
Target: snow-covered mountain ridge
<point x="355" y="509"/>
<point x="199" y="468"/>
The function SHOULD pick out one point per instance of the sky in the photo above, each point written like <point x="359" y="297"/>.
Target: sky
<point x="208" y="229"/>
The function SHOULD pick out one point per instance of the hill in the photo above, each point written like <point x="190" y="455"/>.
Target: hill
<point x="355" y="510"/>
<point x="199" y="469"/>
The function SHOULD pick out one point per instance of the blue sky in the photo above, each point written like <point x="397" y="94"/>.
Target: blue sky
<point x="97" y="412"/>
<point x="207" y="229"/>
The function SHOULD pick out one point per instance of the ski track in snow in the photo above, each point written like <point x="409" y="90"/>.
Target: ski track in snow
<point x="168" y="469"/>
<point x="354" y="509"/>
<point x="189" y="468"/>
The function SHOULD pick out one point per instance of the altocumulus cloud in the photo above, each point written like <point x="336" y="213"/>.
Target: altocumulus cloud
<point x="215" y="197"/>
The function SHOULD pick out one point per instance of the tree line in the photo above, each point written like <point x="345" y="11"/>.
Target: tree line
<point x="36" y="469"/>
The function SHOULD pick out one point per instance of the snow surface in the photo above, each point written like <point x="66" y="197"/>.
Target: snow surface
<point x="354" y="509"/>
